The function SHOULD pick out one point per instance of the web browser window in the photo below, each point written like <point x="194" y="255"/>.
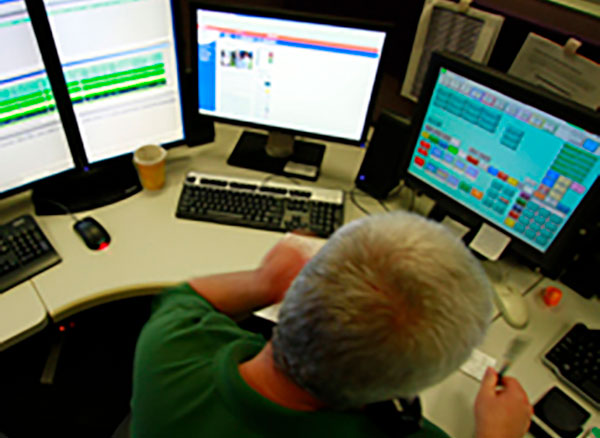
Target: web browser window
<point x="309" y="77"/>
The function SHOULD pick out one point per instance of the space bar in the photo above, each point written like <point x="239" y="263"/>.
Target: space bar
<point x="223" y="215"/>
<point x="227" y="217"/>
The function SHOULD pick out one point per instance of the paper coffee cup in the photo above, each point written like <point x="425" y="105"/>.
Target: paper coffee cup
<point x="149" y="161"/>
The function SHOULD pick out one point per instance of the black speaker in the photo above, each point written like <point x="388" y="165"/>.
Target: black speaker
<point x="582" y="272"/>
<point x="380" y="170"/>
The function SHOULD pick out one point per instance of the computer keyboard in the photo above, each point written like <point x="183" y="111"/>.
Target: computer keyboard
<point x="575" y="358"/>
<point x="257" y="204"/>
<point x="24" y="251"/>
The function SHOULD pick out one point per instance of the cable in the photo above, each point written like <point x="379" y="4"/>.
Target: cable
<point x="396" y="192"/>
<point x="360" y="207"/>
<point x="351" y="193"/>
<point x="534" y="285"/>
<point x="398" y="189"/>
<point x="411" y="206"/>
<point x="62" y="207"/>
<point x="385" y="207"/>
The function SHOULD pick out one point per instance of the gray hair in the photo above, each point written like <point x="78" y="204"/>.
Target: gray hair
<point x="392" y="304"/>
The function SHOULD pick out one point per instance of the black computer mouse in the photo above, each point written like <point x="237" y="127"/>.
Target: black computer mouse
<point x="92" y="233"/>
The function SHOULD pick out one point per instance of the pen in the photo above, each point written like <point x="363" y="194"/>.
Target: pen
<point x="514" y="349"/>
<point x="502" y="371"/>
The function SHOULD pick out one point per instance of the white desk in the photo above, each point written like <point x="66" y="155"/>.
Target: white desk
<point x="22" y="312"/>
<point x="151" y="248"/>
<point x="450" y="403"/>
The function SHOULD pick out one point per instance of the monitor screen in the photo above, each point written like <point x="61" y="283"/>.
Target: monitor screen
<point x="520" y="166"/>
<point x="120" y="64"/>
<point x="294" y="74"/>
<point x="33" y="144"/>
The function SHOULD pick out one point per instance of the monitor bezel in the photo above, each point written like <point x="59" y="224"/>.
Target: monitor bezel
<point x="87" y="178"/>
<point x="52" y="59"/>
<point x="42" y="46"/>
<point x="564" y="247"/>
<point x="386" y="27"/>
<point x="193" y="133"/>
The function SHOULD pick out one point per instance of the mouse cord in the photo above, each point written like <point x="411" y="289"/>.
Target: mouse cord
<point x="62" y="207"/>
<point x="351" y="193"/>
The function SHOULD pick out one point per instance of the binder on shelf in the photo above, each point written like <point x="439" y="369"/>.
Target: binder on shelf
<point x="455" y="27"/>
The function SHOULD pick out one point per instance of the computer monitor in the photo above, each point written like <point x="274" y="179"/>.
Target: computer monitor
<point x="115" y="72"/>
<point x="287" y="73"/>
<point x="119" y="61"/>
<point x="491" y="148"/>
<point x="33" y="145"/>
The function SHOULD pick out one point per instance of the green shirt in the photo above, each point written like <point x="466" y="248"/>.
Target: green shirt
<point x="186" y="381"/>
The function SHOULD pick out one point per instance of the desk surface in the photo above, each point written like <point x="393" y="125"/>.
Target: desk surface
<point x="448" y="402"/>
<point x="151" y="248"/>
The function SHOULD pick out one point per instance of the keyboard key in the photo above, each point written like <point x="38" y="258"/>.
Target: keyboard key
<point x="574" y="357"/>
<point x="24" y="251"/>
<point x="277" y="207"/>
<point x="530" y="234"/>
<point x="551" y="226"/>
<point x="519" y="227"/>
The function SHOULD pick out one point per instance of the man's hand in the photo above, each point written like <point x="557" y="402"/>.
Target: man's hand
<point x="284" y="261"/>
<point x="503" y="412"/>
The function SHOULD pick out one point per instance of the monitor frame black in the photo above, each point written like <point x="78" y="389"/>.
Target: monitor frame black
<point x="565" y="247"/>
<point x="74" y="155"/>
<point x="92" y="185"/>
<point x="250" y="150"/>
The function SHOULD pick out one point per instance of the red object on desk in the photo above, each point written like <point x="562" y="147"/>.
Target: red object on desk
<point x="552" y="296"/>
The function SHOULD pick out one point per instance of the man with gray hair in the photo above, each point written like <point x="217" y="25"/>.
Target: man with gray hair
<point x="390" y="305"/>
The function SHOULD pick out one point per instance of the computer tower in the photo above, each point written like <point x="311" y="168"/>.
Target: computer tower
<point x="380" y="170"/>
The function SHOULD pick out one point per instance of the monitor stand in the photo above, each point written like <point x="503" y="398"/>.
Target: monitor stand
<point x="278" y="153"/>
<point x="103" y="183"/>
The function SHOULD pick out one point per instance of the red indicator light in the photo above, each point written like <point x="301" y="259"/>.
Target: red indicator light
<point x="102" y="246"/>
<point x="61" y="328"/>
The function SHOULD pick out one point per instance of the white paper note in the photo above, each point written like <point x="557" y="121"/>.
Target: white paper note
<point x="489" y="242"/>
<point x="552" y="66"/>
<point x="476" y="365"/>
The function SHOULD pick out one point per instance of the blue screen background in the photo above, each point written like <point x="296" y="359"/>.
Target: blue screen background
<point x="524" y="170"/>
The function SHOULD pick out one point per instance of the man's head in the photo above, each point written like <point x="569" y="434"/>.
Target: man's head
<point x="392" y="304"/>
